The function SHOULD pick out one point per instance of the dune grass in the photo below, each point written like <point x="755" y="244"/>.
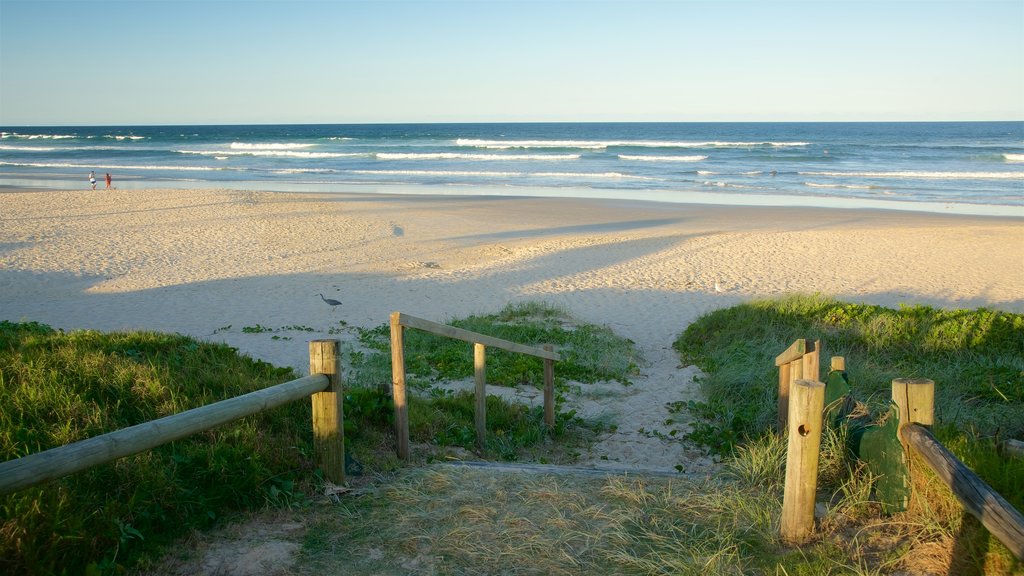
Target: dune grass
<point x="58" y="388"/>
<point x="975" y="357"/>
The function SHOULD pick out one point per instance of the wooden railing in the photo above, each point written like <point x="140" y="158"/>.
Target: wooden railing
<point x="913" y="410"/>
<point x="323" y="385"/>
<point x="401" y="321"/>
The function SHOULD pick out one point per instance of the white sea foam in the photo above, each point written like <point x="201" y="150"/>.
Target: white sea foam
<point x="601" y="144"/>
<point x="1013" y="157"/>
<point x="274" y="153"/>
<point x="706" y="173"/>
<point x="37" y="136"/>
<point x="642" y="158"/>
<point x="30" y="148"/>
<point x="56" y="148"/>
<point x="461" y="156"/>
<point x="304" y="171"/>
<point x="846" y="186"/>
<point x="110" y="166"/>
<point x="435" y="173"/>
<point x="616" y="175"/>
<point x="269" y="146"/>
<point x="925" y="175"/>
<point x="120" y="137"/>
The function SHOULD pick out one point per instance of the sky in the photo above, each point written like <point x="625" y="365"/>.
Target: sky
<point x="145" y="62"/>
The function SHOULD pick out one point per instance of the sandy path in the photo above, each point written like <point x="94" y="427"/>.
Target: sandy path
<point x="197" y="262"/>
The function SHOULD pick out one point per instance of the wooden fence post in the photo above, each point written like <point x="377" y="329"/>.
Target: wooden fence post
<point x="787" y="362"/>
<point x="915" y="399"/>
<point x="480" y="374"/>
<point x="549" y="389"/>
<point x="806" y="403"/>
<point x="328" y="410"/>
<point x="398" y="386"/>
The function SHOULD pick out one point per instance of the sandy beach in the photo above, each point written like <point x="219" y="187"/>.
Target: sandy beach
<point x="210" y="262"/>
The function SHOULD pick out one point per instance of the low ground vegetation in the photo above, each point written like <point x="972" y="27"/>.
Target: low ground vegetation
<point x="430" y="518"/>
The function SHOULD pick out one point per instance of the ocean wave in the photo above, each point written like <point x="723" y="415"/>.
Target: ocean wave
<point x="120" y="137"/>
<point x="720" y="184"/>
<point x="1013" y="157"/>
<point x="615" y="175"/>
<point x="304" y="171"/>
<point x="37" y="136"/>
<point x="57" y="148"/>
<point x="110" y="166"/>
<point x="925" y="175"/>
<point x="274" y="153"/>
<point x="641" y="158"/>
<point x="461" y="156"/>
<point x="602" y="144"/>
<point x="844" y="186"/>
<point x="31" y="148"/>
<point x="269" y="146"/>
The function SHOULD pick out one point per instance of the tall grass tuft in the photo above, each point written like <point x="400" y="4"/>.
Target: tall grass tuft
<point x="57" y="388"/>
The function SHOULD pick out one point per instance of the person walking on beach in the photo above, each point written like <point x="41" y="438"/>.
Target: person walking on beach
<point x="92" y="179"/>
<point x="108" y="180"/>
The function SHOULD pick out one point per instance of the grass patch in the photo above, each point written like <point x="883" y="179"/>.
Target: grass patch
<point x="455" y="521"/>
<point x="442" y="418"/>
<point x="59" y="388"/>
<point x="974" y="356"/>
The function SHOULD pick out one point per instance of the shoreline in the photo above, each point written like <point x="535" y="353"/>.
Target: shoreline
<point x="664" y="196"/>
<point x="209" y="263"/>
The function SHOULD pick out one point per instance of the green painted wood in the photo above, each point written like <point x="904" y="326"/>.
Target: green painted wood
<point x="837" y="396"/>
<point x="880" y="448"/>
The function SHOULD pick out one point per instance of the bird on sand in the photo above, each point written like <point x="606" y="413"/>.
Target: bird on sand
<point x="330" y="301"/>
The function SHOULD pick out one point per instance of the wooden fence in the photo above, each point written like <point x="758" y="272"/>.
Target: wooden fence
<point x="323" y="385"/>
<point x="913" y="401"/>
<point x="401" y="321"/>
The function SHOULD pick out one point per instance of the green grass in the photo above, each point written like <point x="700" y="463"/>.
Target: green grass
<point x="975" y="357"/>
<point x="59" y="388"/>
<point x="441" y="418"/>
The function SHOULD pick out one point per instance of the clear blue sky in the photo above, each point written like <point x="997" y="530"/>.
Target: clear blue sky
<point x="301" y="61"/>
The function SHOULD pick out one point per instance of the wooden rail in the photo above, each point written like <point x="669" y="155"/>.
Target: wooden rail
<point x="996" y="514"/>
<point x="324" y="386"/>
<point x="915" y="399"/>
<point x="480" y="342"/>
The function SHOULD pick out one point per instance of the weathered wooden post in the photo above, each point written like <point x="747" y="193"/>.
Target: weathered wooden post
<point x="549" y="389"/>
<point x="328" y="411"/>
<point x="480" y="375"/>
<point x="789" y="371"/>
<point x="915" y="400"/>
<point x="806" y="403"/>
<point x="398" y="386"/>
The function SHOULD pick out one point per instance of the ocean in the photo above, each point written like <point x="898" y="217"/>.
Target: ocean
<point x="958" y="167"/>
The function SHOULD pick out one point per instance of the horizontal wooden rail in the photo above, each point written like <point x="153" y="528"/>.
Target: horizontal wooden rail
<point x="61" y="461"/>
<point x="997" y="515"/>
<point x="796" y="350"/>
<point x="399" y="322"/>
<point x="473" y="337"/>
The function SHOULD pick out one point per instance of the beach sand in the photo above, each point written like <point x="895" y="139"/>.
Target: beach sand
<point x="199" y="261"/>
